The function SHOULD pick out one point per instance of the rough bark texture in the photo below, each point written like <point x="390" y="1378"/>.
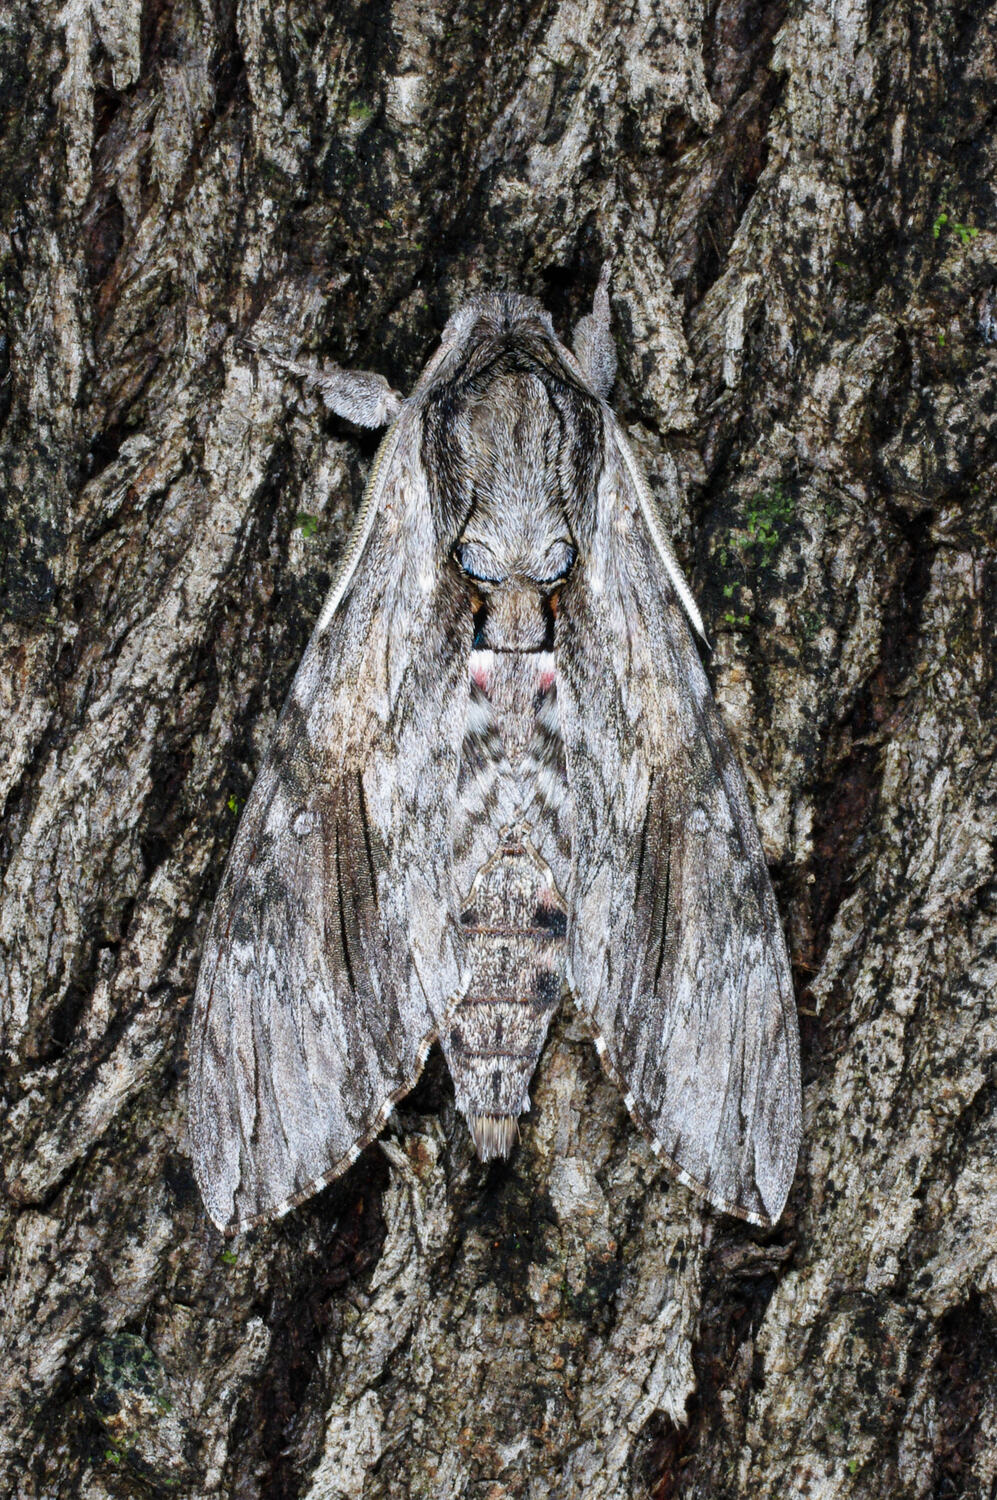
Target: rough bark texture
<point x="800" y="207"/>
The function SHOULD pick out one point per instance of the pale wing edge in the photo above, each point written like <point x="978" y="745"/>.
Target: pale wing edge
<point x="652" y="518"/>
<point x="363" y="525"/>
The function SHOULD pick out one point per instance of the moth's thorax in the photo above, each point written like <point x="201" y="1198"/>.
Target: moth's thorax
<point x="515" y="547"/>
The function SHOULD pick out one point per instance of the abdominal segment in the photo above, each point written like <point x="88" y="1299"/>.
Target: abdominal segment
<point x="515" y="930"/>
<point x="514" y="917"/>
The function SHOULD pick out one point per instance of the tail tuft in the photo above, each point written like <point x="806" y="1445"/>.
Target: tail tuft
<point x="493" y="1135"/>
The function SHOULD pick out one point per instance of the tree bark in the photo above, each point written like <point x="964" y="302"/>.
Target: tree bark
<point x="799" y="205"/>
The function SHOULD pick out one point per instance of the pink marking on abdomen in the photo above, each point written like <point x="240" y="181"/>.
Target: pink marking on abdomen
<point x="480" y="663"/>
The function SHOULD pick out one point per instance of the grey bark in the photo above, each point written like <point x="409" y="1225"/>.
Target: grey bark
<point x="800" y="208"/>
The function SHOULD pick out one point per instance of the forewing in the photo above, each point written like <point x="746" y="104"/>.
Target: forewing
<point x="334" y="950"/>
<point x="676" y="951"/>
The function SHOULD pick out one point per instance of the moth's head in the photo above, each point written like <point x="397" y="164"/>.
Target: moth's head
<point x="496" y="315"/>
<point x="479" y="326"/>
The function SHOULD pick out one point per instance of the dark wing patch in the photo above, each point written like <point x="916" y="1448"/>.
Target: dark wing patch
<point x="676" y="953"/>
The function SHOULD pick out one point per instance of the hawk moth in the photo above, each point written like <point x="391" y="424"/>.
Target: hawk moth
<point x="500" y="775"/>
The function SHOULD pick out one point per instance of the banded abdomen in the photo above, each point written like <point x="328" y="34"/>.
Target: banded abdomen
<point x="512" y="850"/>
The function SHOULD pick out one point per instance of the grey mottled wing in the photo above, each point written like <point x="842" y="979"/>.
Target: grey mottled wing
<point x="334" y="948"/>
<point x="676" y="952"/>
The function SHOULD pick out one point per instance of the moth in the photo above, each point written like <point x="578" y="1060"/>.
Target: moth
<point x="499" y="778"/>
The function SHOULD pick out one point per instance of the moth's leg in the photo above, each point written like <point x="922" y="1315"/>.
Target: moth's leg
<point x="360" y="396"/>
<point x="593" y="342"/>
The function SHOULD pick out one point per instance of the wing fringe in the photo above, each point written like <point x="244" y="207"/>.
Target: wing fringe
<point x="679" y="1173"/>
<point x="339" y="1166"/>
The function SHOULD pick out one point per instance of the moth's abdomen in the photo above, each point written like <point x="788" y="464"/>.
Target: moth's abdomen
<point x="515" y="928"/>
<point x="508" y="834"/>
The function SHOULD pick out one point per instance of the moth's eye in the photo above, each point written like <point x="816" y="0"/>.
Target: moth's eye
<point x="556" y="565"/>
<point x="478" y="563"/>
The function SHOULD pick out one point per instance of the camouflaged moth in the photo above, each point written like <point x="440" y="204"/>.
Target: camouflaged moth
<point x="500" y="777"/>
